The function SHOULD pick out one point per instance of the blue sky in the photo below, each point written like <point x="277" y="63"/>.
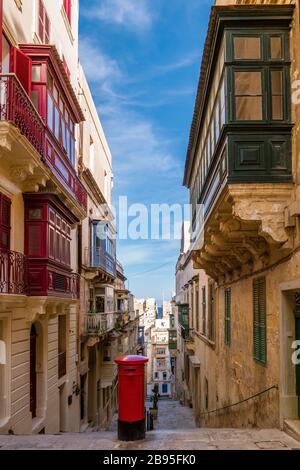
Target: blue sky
<point x="142" y="60"/>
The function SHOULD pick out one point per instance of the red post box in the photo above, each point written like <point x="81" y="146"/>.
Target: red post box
<point x="131" y="425"/>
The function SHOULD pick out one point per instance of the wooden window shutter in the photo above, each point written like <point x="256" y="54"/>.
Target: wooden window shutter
<point x="5" y="204"/>
<point x="21" y="65"/>
<point x="228" y="316"/>
<point x="68" y="9"/>
<point x="212" y="312"/>
<point x="259" y="320"/>
<point x="204" y="310"/>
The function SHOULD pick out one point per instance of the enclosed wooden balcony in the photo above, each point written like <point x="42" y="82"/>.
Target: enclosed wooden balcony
<point x="239" y="166"/>
<point x="44" y="151"/>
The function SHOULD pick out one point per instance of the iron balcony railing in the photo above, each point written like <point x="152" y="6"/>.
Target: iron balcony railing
<point x="13" y="273"/>
<point x="97" y="324"/>
<point x="16" y="107"/>
<point x="97" y="258"/>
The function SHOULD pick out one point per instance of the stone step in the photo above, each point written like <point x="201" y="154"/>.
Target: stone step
<point x="292" y="428"/>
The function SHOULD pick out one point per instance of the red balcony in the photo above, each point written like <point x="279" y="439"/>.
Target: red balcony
<point x="16" y="107"/>
<point x="12" y="273"/>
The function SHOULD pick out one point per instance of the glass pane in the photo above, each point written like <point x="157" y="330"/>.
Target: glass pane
<point x="36" y="73"/>
<point x="57" y="122"/>
<point x="50" y="113"/>
<point x="276" y="77"/>
<point x="277" y="107"/>
<point x="277" y="111"/>
<point x="248" y="83"/>
<point x="5" y="55"/>
<point x="35" y="99"/>
<point x="276" y="48"/>
<point x="249" y="108"/>
<point x="247" y="48"/>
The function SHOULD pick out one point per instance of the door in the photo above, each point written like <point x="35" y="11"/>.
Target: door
<point x="165" y="389"/>
<point x="298" y="365"/>
<point x="33" y="336"/>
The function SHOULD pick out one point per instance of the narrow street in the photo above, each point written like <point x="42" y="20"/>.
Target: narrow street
<point x="174" y="430"/>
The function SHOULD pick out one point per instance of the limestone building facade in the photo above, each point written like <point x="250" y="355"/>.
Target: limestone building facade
<point x="237" y="296"/>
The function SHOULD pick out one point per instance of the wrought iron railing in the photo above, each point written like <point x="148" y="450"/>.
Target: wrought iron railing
<point x="100" y="323"/>
<point x="62" y="364"/>
<point x="16" y="107"/>
<point x="13" y="273"/>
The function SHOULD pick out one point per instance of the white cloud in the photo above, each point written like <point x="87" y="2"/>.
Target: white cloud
<point x="97" y="66"/>
<point x="133" y="14"/>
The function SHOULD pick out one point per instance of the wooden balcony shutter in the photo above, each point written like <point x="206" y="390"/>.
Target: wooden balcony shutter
<point x="259" y="320"/>
<point x="5" y="210"/>
<point x="68" y="9"/>
<point x="203" y="310"/>
<point x="228" y="316"/>
<point x="21" y="65"/>
<point x="212" y="312"/>
<point x="43" y="24"/>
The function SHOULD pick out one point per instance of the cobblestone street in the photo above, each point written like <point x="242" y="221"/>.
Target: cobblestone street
<point x="174" y="430"/>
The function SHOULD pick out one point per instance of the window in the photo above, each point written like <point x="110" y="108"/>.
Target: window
<point x="276" y="47"/>
<point x="211" y="312"/>
<point x="4" y="381"/>
<point x="5" y="209"/>
<point x="204" y="310"/>
<point x="247" y="48"/>
<point x="165" y="377"/>
<point x="68" y="9"/>
<point x="259" y="320"/>
<point x="44" y="24"/>
<point x="248" y="95"/>
<point x="156" y="375"/>
<point x="277" y="94"/>
<point x="197" y="308"/>
<point x="228" y="316"/>
<point x="59" y="239"/>
<point x="59" y="120"/>
<point x="5" y="55"/>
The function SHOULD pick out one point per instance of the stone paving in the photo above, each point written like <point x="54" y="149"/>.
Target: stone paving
<point x="174" y="430"/>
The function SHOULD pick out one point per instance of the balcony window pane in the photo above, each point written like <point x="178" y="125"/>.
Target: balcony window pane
<point x="36" y="73"/>
<point x="50" y="112"/>
<point x="277" y="95"/>
<point x="247" y="48"/>
<point x="5" y="55"/>
<point x="57" y="122"/>
<point x="35" y="99"/>
<point x="276" y="47"/>
<point x="63" y="131"/>
<point x="248" y="96"/>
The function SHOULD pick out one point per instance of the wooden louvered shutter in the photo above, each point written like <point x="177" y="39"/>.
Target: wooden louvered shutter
<point x="5" y="208"/>
<point x="228" y="316"/>
<point x="259" y="320"/>
<point x="212" y="312"/>
<point x="203" y="310"/>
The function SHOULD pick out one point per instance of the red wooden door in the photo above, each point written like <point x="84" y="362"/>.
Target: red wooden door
<point x="33" y="337"/>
